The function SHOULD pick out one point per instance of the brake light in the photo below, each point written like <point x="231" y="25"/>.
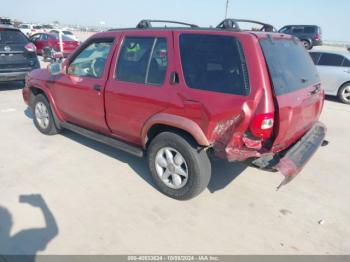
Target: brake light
<point x="318" y="37"/>
<point x="30" y="47"/>
<point x="262" y="125"/>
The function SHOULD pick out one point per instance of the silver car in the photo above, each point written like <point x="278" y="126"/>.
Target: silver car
<point x="334" y="70"/>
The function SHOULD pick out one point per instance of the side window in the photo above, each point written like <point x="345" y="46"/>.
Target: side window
<point x="315" y="57"/>
<point x="143" y="60"/>
<point x="310" y="30"/>
<point x="44" y="37"/>
<point x="285" y="30"/>
<point x="346" y="63"/>
<point x="35" y="38"/>
<point x="331" y="60"/>
<point x="214" y="63"/>
<point x="91" y="61"/>
<point x="298" y="30"/>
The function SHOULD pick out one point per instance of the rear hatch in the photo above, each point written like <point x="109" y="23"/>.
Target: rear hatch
<point x="14" y="57"/>
<point x="297" y="89"/>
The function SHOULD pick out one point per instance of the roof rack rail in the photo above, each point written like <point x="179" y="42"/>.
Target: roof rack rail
<point x="144" y="24"/>
<point x="233" y="24"/>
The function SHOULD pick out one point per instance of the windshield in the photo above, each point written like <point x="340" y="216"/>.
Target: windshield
<point x="9" y="36"/>
<point x="290" y="66"/>
<point x="67" y="33"/>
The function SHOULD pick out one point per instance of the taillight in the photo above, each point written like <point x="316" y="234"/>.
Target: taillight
<point x="30" y="47"/>
<point x="317" y="37"/>
<point x="262" y="125"/>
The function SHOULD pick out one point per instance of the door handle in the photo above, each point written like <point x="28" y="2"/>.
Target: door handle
<point x="97" y="88"/>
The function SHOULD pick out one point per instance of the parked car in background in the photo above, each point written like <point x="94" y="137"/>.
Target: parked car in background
<point x="181" y="95"/>
<point x="30" y="29"/>
<point x="64" y="32"/>
<point x="334" y="70"/>
<point x="17" y="54"/>
<point x="50" y="43"/>
<point x="46" y="28"/>
<point x="309" y="35"/>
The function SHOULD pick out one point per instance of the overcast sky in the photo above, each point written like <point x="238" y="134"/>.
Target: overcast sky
<point x="332" y="16"/>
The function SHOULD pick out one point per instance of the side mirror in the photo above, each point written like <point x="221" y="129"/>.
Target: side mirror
<point x="55" y="69"/>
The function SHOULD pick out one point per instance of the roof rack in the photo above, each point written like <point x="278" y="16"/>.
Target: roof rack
<point x="144" y="24"/>
<point x="233" y="24"/>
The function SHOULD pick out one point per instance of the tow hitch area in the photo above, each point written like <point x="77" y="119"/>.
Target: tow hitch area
<point x="298" y="155"/>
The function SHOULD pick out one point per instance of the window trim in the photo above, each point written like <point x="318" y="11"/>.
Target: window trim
<point x="155" y="41"/>
<point x="83" y="47"/>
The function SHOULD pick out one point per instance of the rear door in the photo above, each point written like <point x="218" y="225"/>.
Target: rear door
<point x="13" y="55"/>
<point x="297" y="89"/>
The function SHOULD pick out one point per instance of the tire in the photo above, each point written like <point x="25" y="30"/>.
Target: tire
<point x="344" y="94"/>
<point x="307" y="44"/>
<point x="42" y="116"/>
<point x="195" y="163"/>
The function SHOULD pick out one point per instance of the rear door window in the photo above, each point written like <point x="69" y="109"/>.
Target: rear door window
<point x="143" y="60"/>
<point x="310" y="30"/>
<point x="214" y="63"/>
<point x="290" y="65"/>
<point x="331" y="60"/>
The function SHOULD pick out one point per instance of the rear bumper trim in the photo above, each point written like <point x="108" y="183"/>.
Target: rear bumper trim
<point x="297" y="156"/>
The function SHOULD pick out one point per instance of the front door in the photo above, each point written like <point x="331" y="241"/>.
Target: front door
<point x="79" y="92"/>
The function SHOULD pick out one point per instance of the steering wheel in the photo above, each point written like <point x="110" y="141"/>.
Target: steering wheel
<point x="97" y="66"/>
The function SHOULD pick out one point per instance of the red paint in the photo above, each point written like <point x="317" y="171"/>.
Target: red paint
<point x="225" y="122"/>
<point x="52" y="41"/>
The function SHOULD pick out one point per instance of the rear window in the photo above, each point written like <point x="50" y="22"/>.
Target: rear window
<point x="8" y="36"/>
<point x="291" y="67"/>
<point x="214" y="63"/>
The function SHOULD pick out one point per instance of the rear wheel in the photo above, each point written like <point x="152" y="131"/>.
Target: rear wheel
<point x="180" y="169"/>
<point x="344" y="94"/>
<point x="307" y="44"/>
<point x="43" y="118"/>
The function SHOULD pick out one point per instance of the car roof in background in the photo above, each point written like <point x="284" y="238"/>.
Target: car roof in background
<point x="302" y="26"/>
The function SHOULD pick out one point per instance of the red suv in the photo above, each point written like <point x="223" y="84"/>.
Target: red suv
<point x="181" y="95"/>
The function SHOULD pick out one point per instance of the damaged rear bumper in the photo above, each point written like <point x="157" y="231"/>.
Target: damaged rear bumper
<point x="296" y="157"/>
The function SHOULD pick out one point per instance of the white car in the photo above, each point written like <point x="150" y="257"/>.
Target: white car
<point x="64" y="32"/>
<point x="334" y="70"/>
<point x="30" y="29"/>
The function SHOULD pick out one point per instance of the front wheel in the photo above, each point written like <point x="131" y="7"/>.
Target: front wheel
<point x="43" y="118"/>
<point x="180" y="168"/>
<point x="344" y="94"/>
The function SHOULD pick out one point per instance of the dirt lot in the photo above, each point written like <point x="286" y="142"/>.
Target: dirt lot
<point x="103" y="201"/>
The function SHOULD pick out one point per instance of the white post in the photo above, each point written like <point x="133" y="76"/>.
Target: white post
<point x="61" y="41"/>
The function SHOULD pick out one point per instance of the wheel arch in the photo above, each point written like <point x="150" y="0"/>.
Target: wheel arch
<point x="166" y="122"/>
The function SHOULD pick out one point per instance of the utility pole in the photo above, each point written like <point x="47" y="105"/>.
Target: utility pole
<point x="227" y="2"/>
